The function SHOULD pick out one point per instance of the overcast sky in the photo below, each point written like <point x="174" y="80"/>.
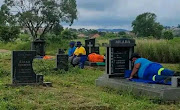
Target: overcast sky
<point x="120" y="13"/>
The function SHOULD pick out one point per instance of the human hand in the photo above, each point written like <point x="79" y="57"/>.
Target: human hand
<point x="129" y="78"/>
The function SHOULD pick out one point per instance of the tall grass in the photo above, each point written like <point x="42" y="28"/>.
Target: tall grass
<point x="159" y="50"/>
<point x="15" y="45"/>
<point x="162" y="51"/>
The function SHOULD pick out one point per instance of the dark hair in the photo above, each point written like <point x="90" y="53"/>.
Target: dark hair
<point x="136" y="55"/>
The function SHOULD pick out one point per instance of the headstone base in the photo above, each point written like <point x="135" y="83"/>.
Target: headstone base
<point x="153" y="91"/>
<point x="46" y="84"/>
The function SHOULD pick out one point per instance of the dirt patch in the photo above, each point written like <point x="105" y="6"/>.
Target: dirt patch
<point x="4" y="51"/>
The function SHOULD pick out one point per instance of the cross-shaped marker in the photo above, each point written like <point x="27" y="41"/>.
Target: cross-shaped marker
<point x="90" y="45"/>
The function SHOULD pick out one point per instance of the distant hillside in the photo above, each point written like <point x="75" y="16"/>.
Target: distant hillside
<point x="112" y="30"/>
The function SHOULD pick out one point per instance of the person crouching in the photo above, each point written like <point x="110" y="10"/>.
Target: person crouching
<point x="79" y="57"/>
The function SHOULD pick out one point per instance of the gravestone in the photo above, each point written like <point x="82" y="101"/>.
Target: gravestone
<point x="92" y="41"/>
<point x="62" y="60"/>
<point x="61" y="51"/>
<point x="118" y="54"/>
<point x="91" y="47"/>
<point x="39" y="46"/>
<point x="22" y="70"/>
<point x="117" y="59"/>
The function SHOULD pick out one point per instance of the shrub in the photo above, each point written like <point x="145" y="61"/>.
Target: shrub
<point x="67" y="34"/>
<point x="8" y="34"/>
<point x="24" y="37"/>
<point x="168" y="35"/>
<point x="110" y="35"/>
<point x="52" y="38"/>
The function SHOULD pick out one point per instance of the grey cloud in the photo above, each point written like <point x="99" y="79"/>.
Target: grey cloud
<point x="117" y="13"/>
<point x="99" y="5"/>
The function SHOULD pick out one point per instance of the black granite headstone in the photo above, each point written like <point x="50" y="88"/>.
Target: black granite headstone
<point x="62" y="62"/>
<point x="118" y="54"/>
<point x="61" y="51"/>
<point x="39" y="46"/>
<point x="22" y="70"/>
<point x="88" y="41"/>
<point x="91" y="47"/>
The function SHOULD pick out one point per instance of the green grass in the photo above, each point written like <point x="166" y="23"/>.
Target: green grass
<point x="15" y="45"/>
<point x="74" y="89"/>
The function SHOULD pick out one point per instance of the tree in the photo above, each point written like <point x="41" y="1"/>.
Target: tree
<point x="121" y="33"/>
<point x="145" y="25"/>
<point x="168" y="35"/>
<point x="45" y="14"/>
<point x="57" y="29"/>
<point x="67" y="34"/>
<point x="8" y="34"/>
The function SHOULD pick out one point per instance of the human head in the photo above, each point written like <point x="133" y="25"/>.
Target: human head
<point x="134" y="57"/>
<point x="78" y="44"/>
<point x="71" y="44"/>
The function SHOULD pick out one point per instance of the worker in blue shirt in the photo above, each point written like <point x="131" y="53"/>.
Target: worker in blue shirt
<point x="71" y="49"/>
<point x="149" y="70"/>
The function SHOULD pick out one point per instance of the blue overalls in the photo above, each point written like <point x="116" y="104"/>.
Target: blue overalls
<point x="82" y="61"/>
<point x="156" y="72"/>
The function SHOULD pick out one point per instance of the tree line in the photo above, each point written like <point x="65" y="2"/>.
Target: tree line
<point x="48" y="16"/>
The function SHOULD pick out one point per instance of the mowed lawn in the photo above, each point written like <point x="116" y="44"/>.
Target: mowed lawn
<point x="74" y="89"/>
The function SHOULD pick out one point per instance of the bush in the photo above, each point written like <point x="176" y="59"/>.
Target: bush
<point x="110" y="35"/>
<point x="67" y="34"/>
<point x="24" y="37"/>
<point x="122" y="33"/>
<point x="52" y="38"/>
<point x="168" y="35"/>
<point x="8" y="34"/>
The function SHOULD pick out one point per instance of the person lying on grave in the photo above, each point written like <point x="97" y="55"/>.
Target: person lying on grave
<point x="79" y="57"/>
<point x="149" y="70"/>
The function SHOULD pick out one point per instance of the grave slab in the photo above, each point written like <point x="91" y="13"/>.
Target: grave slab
<point x="153" y="91"/>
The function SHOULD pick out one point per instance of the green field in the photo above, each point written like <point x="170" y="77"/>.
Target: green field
<point x="74" y="89"/>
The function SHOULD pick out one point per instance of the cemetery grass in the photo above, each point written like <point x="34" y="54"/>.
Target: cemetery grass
<point x="74" y="89"/>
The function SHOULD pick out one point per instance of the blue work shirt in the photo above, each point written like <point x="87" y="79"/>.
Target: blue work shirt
<point x="144" y="64"/>
<point x="71" y="51"/>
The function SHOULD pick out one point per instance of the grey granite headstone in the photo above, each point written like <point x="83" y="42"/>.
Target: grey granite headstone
<point x="39" y="46"/>
<point x="22" y="70"/>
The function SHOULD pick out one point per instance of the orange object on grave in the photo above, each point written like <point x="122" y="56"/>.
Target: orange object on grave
<point x="93" y="57"/>
<point x="47" y="57"/>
